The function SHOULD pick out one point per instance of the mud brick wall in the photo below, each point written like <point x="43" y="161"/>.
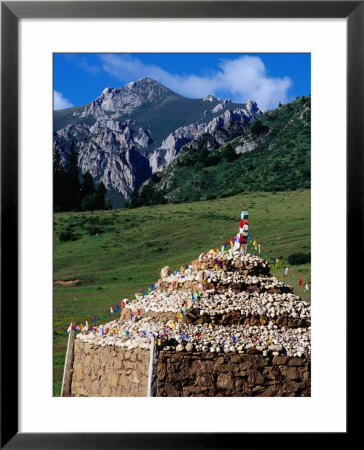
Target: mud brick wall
<point x="109" y="371"/>
<point x="235" y="375"/>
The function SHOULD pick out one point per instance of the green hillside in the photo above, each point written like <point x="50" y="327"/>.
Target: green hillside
<point x="117" y="253"/>
<point x="63" y="117"/>
<point x="280" y="160"/>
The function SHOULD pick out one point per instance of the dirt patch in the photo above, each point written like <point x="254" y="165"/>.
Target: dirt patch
<point x="68" y="282"/>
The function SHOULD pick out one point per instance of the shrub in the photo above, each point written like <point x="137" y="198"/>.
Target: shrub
<point x="67" y="235"/>
<point x="94" y="229"/>
<point x="258" y="128"/>
<point x="229" y="153"/>
<point x="299" y="258"/>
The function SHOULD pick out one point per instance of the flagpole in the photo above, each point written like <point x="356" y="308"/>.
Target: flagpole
<point x="66" y="381"/>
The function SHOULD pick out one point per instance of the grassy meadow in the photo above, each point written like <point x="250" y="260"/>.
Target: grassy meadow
<point x="132" y="245"/>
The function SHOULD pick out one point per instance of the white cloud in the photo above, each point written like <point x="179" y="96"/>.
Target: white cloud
<point x="242" y="78"/>
<point x="60" y="102"/>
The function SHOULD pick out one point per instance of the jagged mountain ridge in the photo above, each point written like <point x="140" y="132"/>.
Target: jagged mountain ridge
<point x="273" y="154"/>
<point x="128" y="133"/>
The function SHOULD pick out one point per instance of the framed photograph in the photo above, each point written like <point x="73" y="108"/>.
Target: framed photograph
<point x="132" y="134"/>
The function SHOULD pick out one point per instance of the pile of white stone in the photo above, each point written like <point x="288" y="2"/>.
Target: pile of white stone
<point x="202" y="337"/>
<point x="211" y="303"/>
<point x="153" y="316"/>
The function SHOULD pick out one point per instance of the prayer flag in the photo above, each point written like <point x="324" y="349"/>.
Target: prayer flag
<point x="300" y="282"/>
<point x="259" y="248"/>
<point x="95" y="320"/>
<point x="111" y="310"/>
<point x="285" y="271"/>
<point x="266" y="254"/>
<point x="101" y="316"/>
<point x="307" y="287"/>
<point x="117" y="308"/>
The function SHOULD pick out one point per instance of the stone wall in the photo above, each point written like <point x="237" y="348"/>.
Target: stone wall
<point x="116" y="372"/>
<point x="233" y="375"/>
<point x="109" y="371"/>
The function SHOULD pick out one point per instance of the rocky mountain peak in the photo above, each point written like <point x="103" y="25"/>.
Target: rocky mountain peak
<point x="211" y="98"/>
<point x="253" y="107"/>
<point x="125" y="99"/>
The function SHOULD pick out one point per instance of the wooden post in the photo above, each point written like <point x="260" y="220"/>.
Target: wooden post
<point x="66" y="382"/>
<point x="150" y="374"/>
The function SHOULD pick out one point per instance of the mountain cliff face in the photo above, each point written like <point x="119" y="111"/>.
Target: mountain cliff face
<point x="128" y="133"/>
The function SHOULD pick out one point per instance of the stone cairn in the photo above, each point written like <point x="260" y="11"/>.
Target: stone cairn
<point x="225" y="302"/>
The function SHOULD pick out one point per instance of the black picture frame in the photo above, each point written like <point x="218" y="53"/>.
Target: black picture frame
<point x="11" y="12"/>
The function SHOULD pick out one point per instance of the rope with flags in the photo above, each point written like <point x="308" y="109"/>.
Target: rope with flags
<point x="172" y="324"/>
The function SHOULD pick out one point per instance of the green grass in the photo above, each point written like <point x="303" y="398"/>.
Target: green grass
<point x="137" y="243"/>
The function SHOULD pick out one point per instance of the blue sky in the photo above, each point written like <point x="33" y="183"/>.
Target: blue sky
<point x="264" y="77"/>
